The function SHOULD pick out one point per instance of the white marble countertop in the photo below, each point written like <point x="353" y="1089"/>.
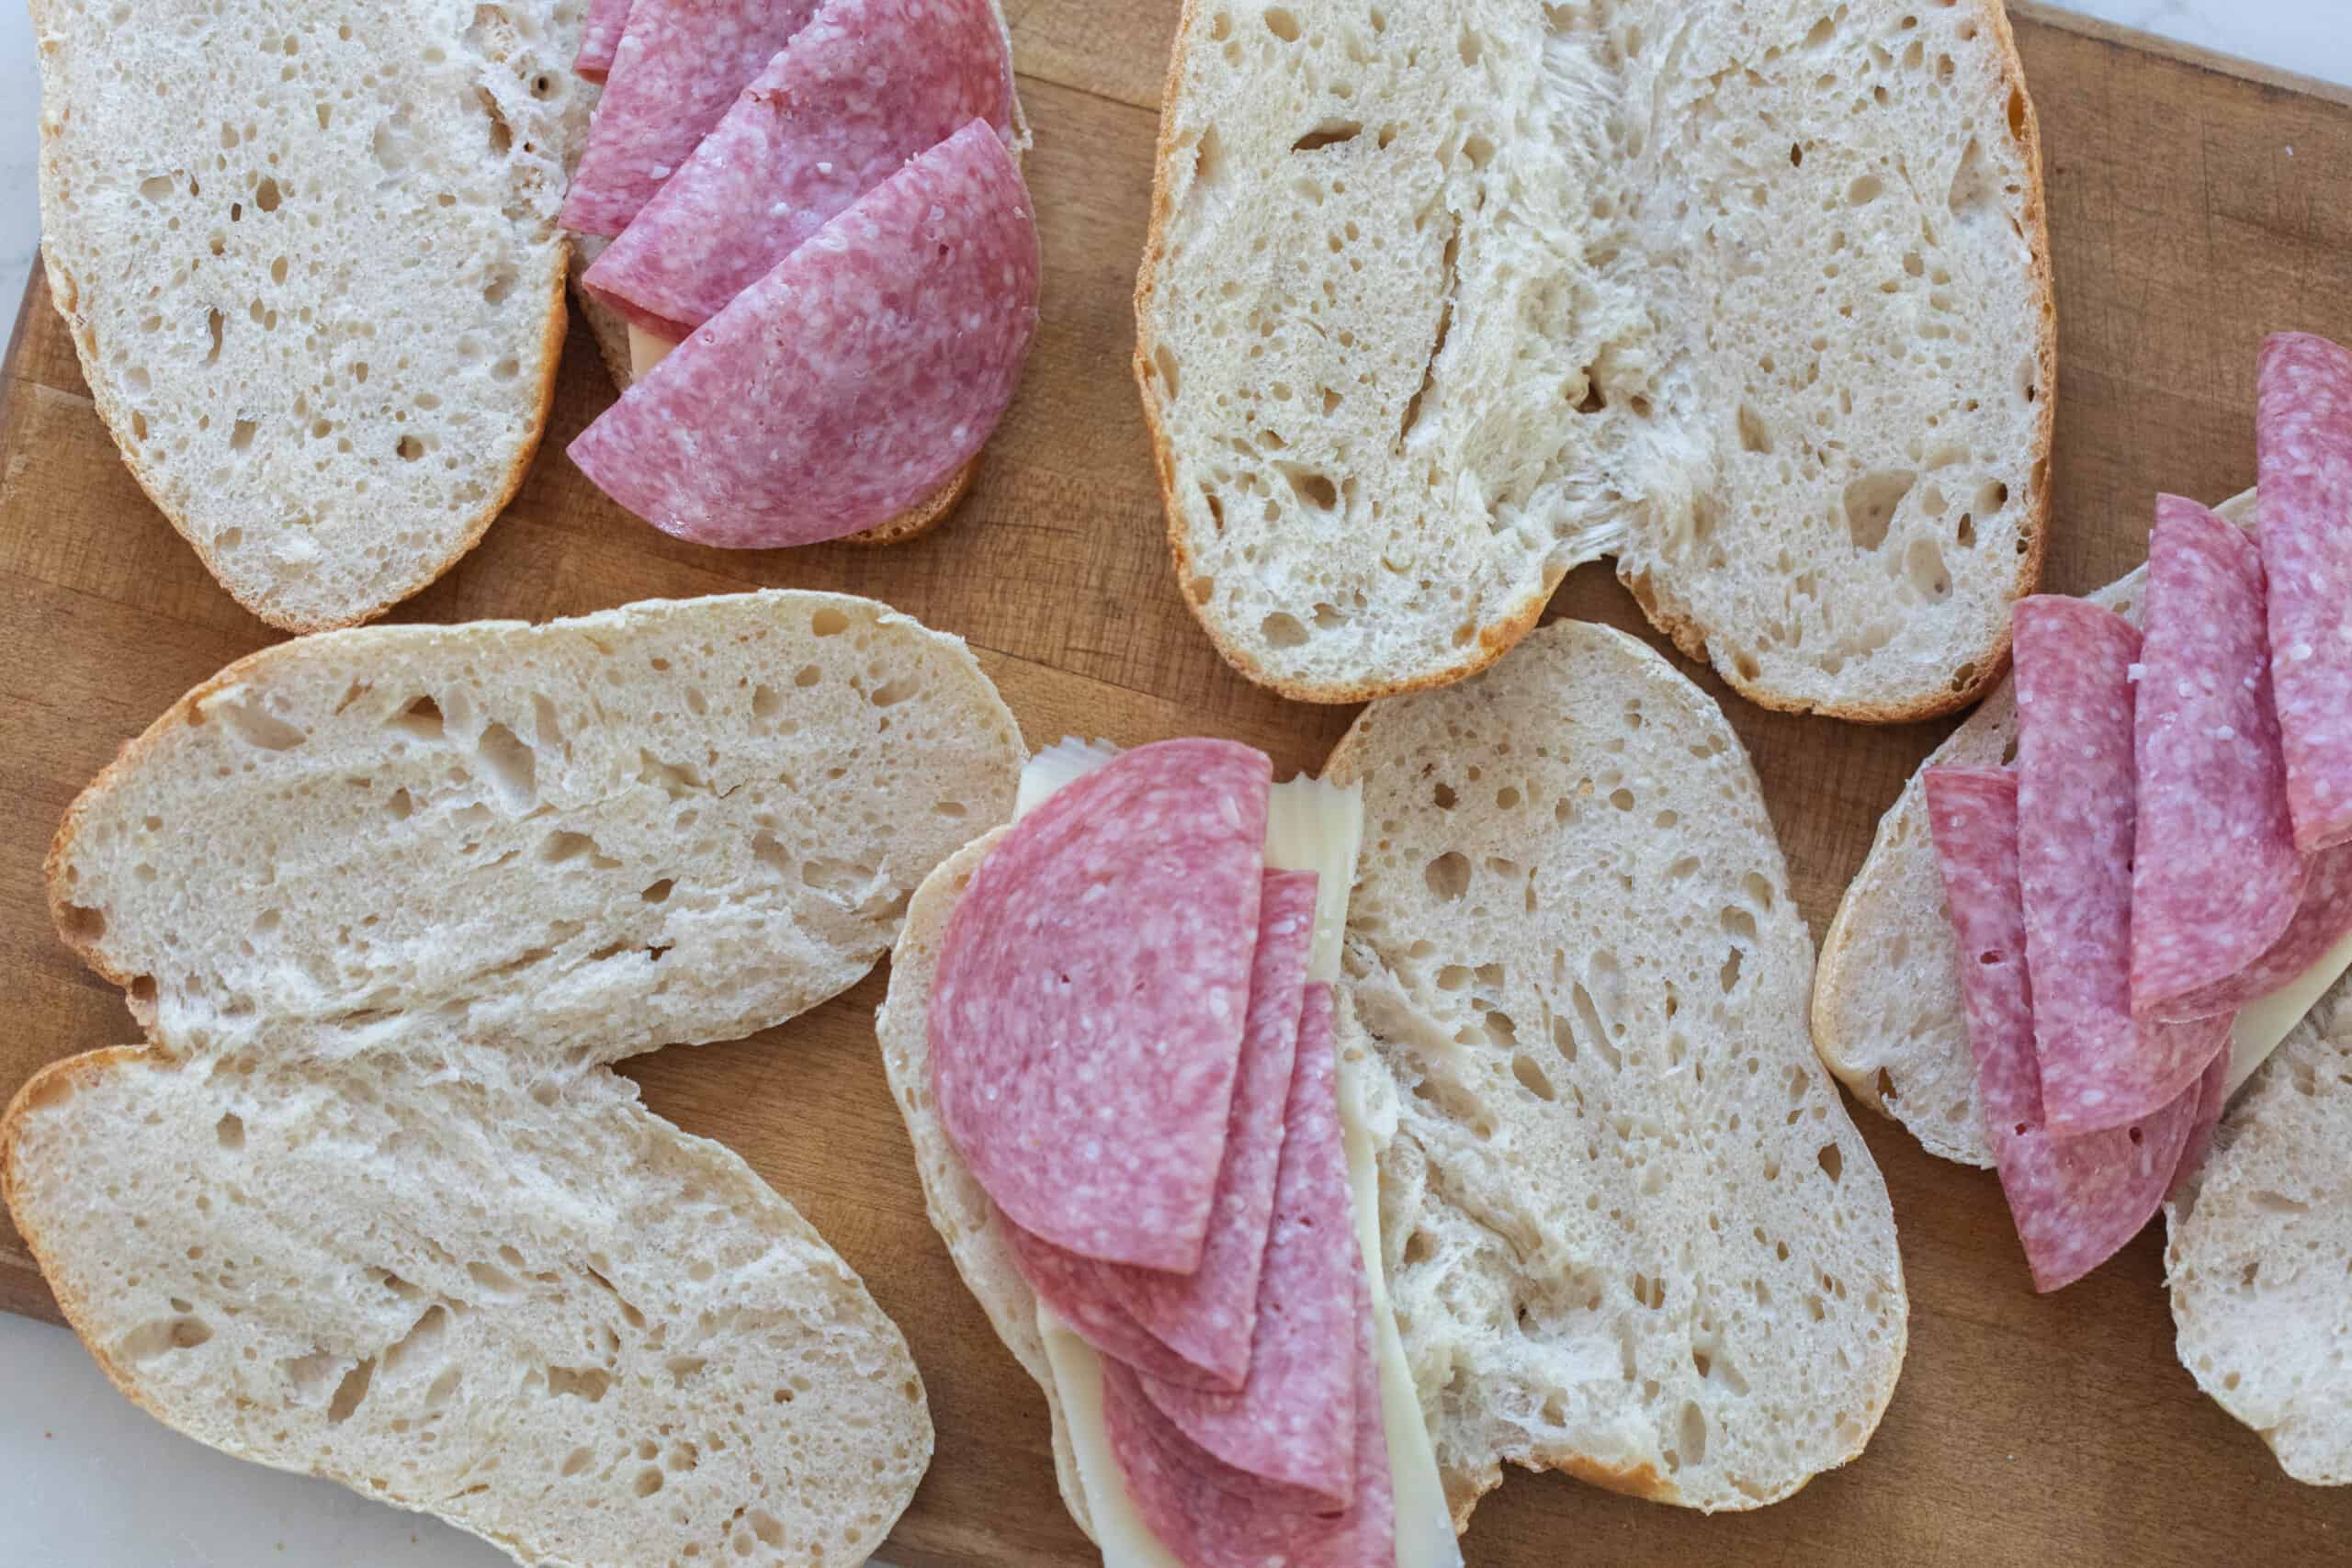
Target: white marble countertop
<point x="116" y="1489"/>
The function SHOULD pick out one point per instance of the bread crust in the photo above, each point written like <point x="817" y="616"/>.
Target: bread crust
<point x="1499" y="636"/>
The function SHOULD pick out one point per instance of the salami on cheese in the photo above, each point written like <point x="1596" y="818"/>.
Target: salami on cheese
<point x="1197" y="1329"/>
<point x="600" y="35"/>
<point x="865" y="86"/>
<point x="677" y="67"/>
<point x="2303" y="439"/>
<point x="2215" y="877"/>
<point x="851" y="380"/>
<point x="1210" y="1515"/>
<point x="2076" y="1200"/>
<point x="2098" y="1066"/>
<point x="1087" y="1014"/>
<point x="1293" y="1422"/>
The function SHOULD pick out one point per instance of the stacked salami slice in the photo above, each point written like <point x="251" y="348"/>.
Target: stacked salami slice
<point x="819" y="205"/>
<point x="2174" y="839"/>
<point x="1128" y="1054"/>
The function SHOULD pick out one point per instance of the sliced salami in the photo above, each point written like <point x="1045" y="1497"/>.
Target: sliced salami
<point x="1292" y="1422"/>
<point x="2098" y="1066"/>
<point x="678" y="65"/>
<point x="600" y="35"/>
<point x="1210" y="1515"/>
<point x="849" y="382"/>
<point x="2076" y="1201"/>
<point x="2321" y="921"/>
<point x="865" y="86"/>
<point x="2215" y="877"/>
<point x="1086" y="1013"/>
<point x="1197" y="1329"/>
<point x="2304" y="437"/>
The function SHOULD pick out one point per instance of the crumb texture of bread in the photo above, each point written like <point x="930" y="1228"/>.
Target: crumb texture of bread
<point x="1441" y="301"/>
<point x="959" y="1209"/>
<point x="1629" y="1228"/>
<point x="529" y="1306"/>
<point x="2258" y="1252"/>
<point x="310" y="262"/>
<point x="676" y="821"/>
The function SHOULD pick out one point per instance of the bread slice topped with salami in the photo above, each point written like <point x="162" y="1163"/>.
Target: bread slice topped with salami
<point x="812" y="260"/>
<point x="1441" y="302"/>
<point x="1305" y="1140"/>
<point x="314" y="280"/>
<point x="2099" y="943"/>
<point x="370" y="1201"/>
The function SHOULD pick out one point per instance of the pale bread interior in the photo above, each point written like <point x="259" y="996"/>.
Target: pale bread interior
<point x="309" y="259"/>
<point x="1441" y="302"/>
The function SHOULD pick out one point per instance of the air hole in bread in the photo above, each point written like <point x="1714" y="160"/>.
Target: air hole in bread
<point x="1283" y="629"/>
<point x="828" y="622"/>
<point x="1330" y="134"/>
<point x="511" y="766"/>
<point x="1448" y="875"/>
<point x="1755" y="435"/>
<point x="585" y="1383"/>
<point x="409" y="448"/>
<point x="1870" y="503"/>
<point x="266" y="195"/>
<point x="350" y="1392"/>
<point x="240" y="435"/>
<point x="1282" y="25"/>
<point x="1865" y="190"/>
<point x="256" y="727"/>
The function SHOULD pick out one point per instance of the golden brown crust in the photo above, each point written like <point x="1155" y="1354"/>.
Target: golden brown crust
<point x="1500" y="636"/>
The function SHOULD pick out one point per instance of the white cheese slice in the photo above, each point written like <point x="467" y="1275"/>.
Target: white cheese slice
<point x="1310" y="826"/>
<point x="2257" y="1030"/>
<point x="645" y="351"/>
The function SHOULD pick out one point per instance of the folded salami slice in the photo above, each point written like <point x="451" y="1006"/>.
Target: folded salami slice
<point x="1197" y="1329"/>
<point x="1293" y="1422"/>
<point x="1086" y="1012"/>
<point x="1209" y="1515"/>
<point x="2099" y="1067"/>
<point x="678" y="65"/>
<point x="865" y="86"/>
<point x="2215" y="877"/>
<point x="600" y="35"/>
<point x="847" y="383"/>
<point x="2303" y="440"/>
<point x="2076" y="1200"/>
<point x="2321" y="921"/>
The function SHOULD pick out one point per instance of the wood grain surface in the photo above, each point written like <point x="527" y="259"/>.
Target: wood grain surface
<point x="2194" y="210"/>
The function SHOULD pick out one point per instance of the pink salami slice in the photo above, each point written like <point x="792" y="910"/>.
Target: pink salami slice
<point x="2076" y="1201"/>
<point x="2303" y="438"/>
<point x="2215" y="878"/>
<point x="2099" y="1067"/>
<point x="851" y="380"/>
<point x="600" y="35"/>
<point x="1292" y="1421"/>
<point x="1197" y="1329"/>
<point x="678" y="65"/>
<point x="1086" y="1013"/>
<point x="2321" y="921"/>
<point x="1210" y="1515"/>
<point x="865" y="86"/>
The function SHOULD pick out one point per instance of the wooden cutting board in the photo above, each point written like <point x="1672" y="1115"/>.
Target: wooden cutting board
<point x="2195" y="209"/>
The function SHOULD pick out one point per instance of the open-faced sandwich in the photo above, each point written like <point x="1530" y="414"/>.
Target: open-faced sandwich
<point x="813" y="264"/>
<point x="1320" y="1147"/>
<point x="2100" y="939"/>
<point x="370" y="1201"/>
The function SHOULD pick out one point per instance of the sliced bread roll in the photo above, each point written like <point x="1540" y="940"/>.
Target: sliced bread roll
<point x="530" y="1307"/>
<point x="1886" y="1007"/>
<point x="671" y="821"/>
<point x="2260" y="1250"/>
<point x="1439" y="301"/>
<point x="1629" y="1230"/>
<point x="309" y="260"/>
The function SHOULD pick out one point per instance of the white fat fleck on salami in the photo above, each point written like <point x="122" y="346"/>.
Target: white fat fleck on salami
<point x="1293" y="1421"/>
<point x="2303" y="442"/>
<point x="2099" y="1067"/>
<point x="853" y="378"/>
<point x="678" y="65"/>
<point x="2076" y="1199"/>
<point x="1197" y="1329"/>
<point x="865" y="86"/>
<point x="1210" y="1515"/>
<point x="600" y="35"/>
<point x="1087" y="1014"/>
<point x="2215" y="877"/>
